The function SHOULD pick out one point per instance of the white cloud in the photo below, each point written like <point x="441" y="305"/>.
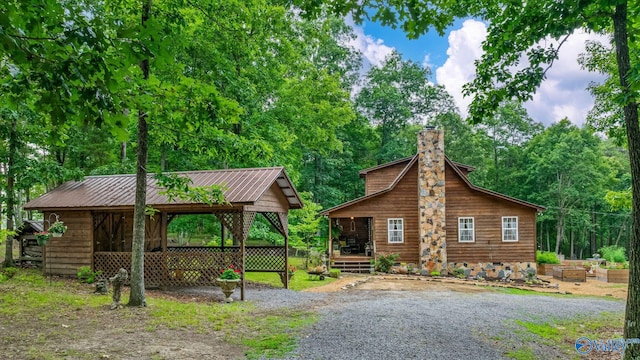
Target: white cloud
<point x="561" y="95"/>
<point x="465" y="46"/>
<point x="426" y="62"/>
<point x="374" y="51"/>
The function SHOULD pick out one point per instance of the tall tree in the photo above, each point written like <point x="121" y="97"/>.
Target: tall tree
<point x="564" y="169"/>
<point x="396" y="94"/>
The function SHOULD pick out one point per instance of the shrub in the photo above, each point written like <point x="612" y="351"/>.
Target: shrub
<point x="9" y="272"/>
<point x="334" y="273"/>
<point x="458" y="272"/>
<point x="547" y="257"/>
<point x="435" y="273"/>
<point x="86" y="275"/>
<point x="384" y="263"/>
<point x="613" y="253"/>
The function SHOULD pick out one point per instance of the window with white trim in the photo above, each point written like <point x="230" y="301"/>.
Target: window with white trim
<point x="396" y="230"/>
<point x="466" y="229"/>
<point x="509" y="228"/>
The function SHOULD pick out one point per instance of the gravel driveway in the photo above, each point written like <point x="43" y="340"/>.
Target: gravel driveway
<point x="436" y="323"/>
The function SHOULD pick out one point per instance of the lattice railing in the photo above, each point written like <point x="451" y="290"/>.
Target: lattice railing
<point x="188" y="266"/>
<point x="264" y="258"/>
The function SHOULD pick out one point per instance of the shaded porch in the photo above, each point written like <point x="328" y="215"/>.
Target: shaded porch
<point x="351" y="236"/>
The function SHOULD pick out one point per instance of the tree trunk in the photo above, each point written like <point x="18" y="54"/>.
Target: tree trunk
<point x="123" y="152"/>
<point x="559" y="231"/>
<point x="13" y="148"/>
<point x="620" y="230"/>
<point x="632" y="315"/>
<point x="137" y="296"/>
<point x="548" y="242"/>
<point x="572" y="254"/>
<point x="594" y="231"/>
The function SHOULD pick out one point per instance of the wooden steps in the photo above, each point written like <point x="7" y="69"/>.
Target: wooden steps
<point x="352" y="264"/>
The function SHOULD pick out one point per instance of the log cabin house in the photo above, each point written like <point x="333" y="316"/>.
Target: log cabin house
<point x="98" y="212"/>
<point x="425" y="209"/>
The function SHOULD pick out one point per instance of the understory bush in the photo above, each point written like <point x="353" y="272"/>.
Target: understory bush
<point x="547" y="257"/>
<point x="384" y="263"/>
<point x="613" y="253"/>
<point x="334" y="273"/>
<point x="458" y="272"/>
<point x="86" y="275"/>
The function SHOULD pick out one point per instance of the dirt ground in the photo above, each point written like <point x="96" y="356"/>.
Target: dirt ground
<point x="592" y="287"/>
<point x="99" y="333"/>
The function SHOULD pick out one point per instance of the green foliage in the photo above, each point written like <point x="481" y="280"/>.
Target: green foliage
<point x="180" y="187"/>
<point x="458" y="272"/>
<point x="546" y="257"/>
<point x="304" y="224"/>
<point x="384" y="263"/>
<point x="334" y="273"/>
<point x="230" y="273"/>
<point x="435" y="273"/>
<point x="87" y="275"/>
<point x="58" y="227"/>
<point x="396" y="95"/>
<point x="613" y="253"/>
<point x="9" y="272"/>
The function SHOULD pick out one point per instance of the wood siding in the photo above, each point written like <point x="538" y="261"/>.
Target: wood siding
<point x="380" y="179"/>
<point x="487" y="212"/>
<point x="402" y="202"/>
<point x="273" y="200"/>
<point x="64" y="255"/>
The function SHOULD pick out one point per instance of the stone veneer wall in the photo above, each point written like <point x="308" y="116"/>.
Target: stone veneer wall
<point x="431" y="201"/>
<point x="495" y="270"/>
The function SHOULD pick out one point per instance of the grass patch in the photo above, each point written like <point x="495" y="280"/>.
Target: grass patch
<point x="562" y="334"/>
<point x="516" y="291"/>
<point x="300" y="280"/>
<point x="523" y="353"/>
<point x="63" y="311"/>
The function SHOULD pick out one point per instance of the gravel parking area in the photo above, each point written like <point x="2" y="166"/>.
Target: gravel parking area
<point x="439" y="322"/>
<point x="434" y="324"/>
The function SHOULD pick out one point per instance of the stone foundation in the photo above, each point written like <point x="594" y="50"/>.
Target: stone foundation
<point x="495" y="270"/>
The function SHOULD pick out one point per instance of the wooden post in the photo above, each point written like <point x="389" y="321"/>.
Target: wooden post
<point x="286" y="260"/>
<point x="242" y="263"/>
<point x="330" y="240"/>
<point x="163" y="243"/>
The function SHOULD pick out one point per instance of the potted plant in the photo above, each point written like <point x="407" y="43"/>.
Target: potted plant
<point x="42" y="237"/>
<point x="228" y="281"/>
<point x="291" y="270"/>
<point x="57" y="229"/>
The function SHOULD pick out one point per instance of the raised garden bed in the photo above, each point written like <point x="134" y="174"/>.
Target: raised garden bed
<point x="570" y="273"/>
<point x="546" y="269"/>
<point x="619" y="276"/>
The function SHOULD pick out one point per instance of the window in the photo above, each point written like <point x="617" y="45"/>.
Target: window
<point x="465" y="229"/>
<point x="396" y="230"/>
<point x="509" y="228"/>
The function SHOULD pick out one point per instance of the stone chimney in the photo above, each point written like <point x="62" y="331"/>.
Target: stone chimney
<point x="431" y="200"/>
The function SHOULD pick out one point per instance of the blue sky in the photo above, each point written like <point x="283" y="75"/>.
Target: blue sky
<point x="562" y="94"/>
<point x="431" y="44"/>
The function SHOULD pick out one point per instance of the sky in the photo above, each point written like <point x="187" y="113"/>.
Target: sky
<point x="562" y="94"/>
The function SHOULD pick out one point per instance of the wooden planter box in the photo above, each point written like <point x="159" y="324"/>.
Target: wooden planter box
<point x="546" y="269"/>
<point x="570" y="273"/>
<point x="619" y="276"/>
